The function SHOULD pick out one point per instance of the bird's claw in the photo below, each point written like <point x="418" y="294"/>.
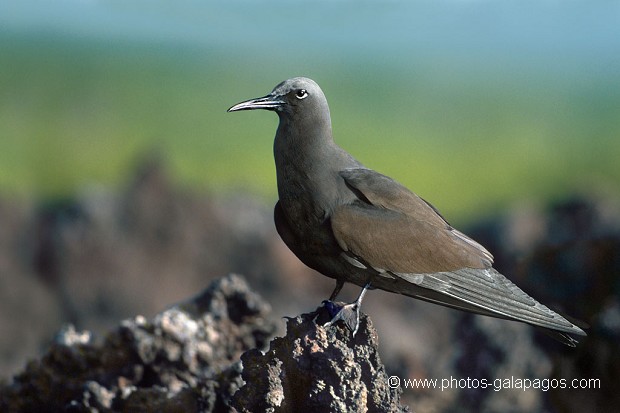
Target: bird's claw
<point x="349" y="313"/>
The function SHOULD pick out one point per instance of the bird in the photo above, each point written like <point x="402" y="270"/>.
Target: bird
<point x="356" y="225"/>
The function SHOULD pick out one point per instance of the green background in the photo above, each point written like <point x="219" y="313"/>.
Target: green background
<point x="473" y="105"/>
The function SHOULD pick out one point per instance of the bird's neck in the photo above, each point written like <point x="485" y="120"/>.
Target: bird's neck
<point x="303" y="147"/>
<point x="307" y="165"/>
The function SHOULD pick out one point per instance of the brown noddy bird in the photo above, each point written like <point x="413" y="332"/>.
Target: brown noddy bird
<point x="356" y="225"/>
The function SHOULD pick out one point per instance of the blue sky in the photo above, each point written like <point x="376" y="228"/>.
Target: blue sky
<point x="579" y="34"/>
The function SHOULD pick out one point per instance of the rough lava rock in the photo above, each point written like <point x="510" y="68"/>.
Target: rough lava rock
<point x="189" y="359"/>
<point x="100" y="256"/>
<point x="317" y="369"/>
<point x="184" y="360"/>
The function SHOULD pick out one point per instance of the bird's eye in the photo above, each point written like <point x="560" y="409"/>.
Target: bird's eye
<point x="301" y="94"/>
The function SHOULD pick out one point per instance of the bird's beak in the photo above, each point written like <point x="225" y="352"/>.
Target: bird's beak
<point x="270" y="102"/>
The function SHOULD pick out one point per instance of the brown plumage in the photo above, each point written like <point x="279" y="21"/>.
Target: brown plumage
<point x="356" y="225"/>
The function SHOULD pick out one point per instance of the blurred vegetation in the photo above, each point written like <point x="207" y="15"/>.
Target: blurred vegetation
<point x="75" y="113"/>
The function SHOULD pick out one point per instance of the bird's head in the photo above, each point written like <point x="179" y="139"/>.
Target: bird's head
<point x="290" y="98"/>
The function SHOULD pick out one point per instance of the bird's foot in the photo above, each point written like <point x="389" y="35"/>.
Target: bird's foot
<point x="349" y="313"/>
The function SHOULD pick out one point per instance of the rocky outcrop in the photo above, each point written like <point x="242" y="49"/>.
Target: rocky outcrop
<point x="101" y="256"/>
<point x="186" y="359"/>
<point x="204" y="355"/>
<point x="317" y="369"/>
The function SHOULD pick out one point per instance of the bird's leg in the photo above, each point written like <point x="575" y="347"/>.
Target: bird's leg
<point x="349" y="313"/>
<point x="339" y="285"/>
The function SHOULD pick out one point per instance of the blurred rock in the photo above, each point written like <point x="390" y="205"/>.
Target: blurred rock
<point x="184" y="360"/>
<point x="569" y="258"/>
<point x="30" y="311"/>
<point x="317" y="369"/>
<point x="101" y="256"/>
<point x="111" y="255"/>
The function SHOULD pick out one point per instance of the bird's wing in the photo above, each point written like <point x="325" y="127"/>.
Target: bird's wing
<point x="396" y="230"/>
<point x="404" y="239"/>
